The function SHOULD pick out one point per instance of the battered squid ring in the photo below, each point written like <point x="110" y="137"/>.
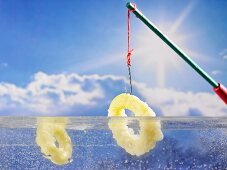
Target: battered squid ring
<point x="150" y="130"/>
<point x="53" y="139"/>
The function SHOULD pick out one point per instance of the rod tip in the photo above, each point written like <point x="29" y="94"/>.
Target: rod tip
<point x="130" y="6"/>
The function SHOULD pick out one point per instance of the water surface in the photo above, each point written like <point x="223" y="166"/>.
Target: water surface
<point x="189" y="143"/>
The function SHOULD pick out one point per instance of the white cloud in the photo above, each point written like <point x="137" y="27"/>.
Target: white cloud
<point x="178" y="103"/>
<point x="223" y="53"/>
<point x="215" y="72"/>
<point x="4" y="65"/>
<point x="73" y="94"/>
<point x="49" y="93"/>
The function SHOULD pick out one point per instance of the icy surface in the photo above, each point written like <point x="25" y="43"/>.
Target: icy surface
<point x="189" y="143"/>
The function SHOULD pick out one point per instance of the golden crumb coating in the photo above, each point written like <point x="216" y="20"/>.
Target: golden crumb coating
<point x="150" y="129"/>
<point x="49" y="132"/>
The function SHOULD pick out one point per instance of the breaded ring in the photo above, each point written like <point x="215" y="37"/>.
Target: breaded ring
<point x="53" y="139"/>
<point x="150" y="130"/>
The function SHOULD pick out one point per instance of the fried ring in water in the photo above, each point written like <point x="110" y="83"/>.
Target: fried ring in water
<point x="150" y="130"/>
<point x="53" y="139"/>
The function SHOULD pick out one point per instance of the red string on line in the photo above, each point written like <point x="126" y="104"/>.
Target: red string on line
<point x="129" y="54"/>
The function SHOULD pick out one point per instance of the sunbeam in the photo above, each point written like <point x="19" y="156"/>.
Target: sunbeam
<point x="154" y="55"/>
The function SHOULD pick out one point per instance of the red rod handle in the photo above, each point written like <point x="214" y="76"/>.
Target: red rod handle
<point x="221" y="91"/>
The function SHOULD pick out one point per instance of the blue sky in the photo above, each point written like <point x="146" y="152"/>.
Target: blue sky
<point x="90" y="37"/>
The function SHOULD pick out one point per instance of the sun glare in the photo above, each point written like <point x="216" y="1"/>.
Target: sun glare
<point x="154" y="55"/>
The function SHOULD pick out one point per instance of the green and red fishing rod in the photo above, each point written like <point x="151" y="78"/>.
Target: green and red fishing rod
<point x="218" y="88"/>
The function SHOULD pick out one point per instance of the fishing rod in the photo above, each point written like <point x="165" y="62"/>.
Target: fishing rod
<point x="218" y="88"/>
